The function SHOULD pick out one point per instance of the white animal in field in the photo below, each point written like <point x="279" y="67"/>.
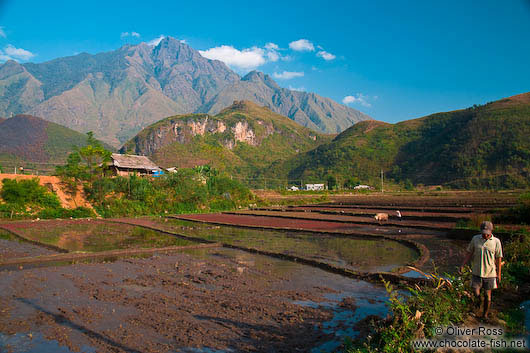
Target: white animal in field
<point x="381" y="217"/>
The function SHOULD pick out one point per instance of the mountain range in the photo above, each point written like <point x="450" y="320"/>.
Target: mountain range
<point x="481" y="146"/>
<point x="116" y="94"/>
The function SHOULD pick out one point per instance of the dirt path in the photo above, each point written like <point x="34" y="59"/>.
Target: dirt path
<point x="52" y="258"/>
<point x="315" y="216"/>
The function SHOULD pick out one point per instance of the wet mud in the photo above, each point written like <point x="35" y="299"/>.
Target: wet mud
<point x="217" y="299"/>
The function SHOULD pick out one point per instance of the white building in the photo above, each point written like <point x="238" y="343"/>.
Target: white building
<point x="314" y="187"/>
<point x="362" y="187"/>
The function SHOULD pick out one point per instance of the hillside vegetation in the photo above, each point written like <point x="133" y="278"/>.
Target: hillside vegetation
<point x="482" y="146"/>
<point x="36" y="144"/>
<point x="241" y="139"/>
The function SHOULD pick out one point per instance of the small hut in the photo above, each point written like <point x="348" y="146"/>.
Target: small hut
<point x="126" y="164"/>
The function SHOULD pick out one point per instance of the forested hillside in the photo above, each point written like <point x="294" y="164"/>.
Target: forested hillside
<point x="482" y="146"/>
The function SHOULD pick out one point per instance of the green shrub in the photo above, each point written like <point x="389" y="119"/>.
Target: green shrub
<point x="187" y="191"/>
<point x="517" y="259"/>
<point x="52" y="213"/>
<point x="519" y="214"/>
<point x="415" y="314"/>
<point x="28" y="192"/>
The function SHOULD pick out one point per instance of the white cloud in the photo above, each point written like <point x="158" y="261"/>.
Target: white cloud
<point x="2" y="32"/>
<point x="273" y="56"/>
<point x="299" y="89"/>
<point x="325" y="55"/>
<point x="273" y="52"/>
<point x="287" y="75"/>
<point x="131" y="34"/>
<point x="156" y="41"/>
<point x="246" y="59"/>
<point x="359" y="98"/>
<point x="10" y="52"/>
<point x="302" y="45"/>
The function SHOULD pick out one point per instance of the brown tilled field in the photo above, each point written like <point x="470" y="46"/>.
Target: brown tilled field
<point x="227" y="281"/>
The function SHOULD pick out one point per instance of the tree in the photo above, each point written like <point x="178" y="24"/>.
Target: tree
<point x="83" y="164"/>
<point x="332" y="182"/>
<point x="94" y="155"/>
<point x="351" y="182"/>
<point x="408" y="185"/>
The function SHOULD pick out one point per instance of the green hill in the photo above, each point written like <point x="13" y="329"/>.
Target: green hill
<point x="36" y="144"/>
<point x="241" y="139"/>
<point x="482" y="146"/>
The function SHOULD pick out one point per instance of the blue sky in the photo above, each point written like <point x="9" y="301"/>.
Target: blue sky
<point x="392" y="60"/>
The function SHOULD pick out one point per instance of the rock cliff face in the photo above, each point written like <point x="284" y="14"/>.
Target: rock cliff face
<point x="118" y="93"/>
<point x="183" y="129"/>
<point x="242" y="136"/>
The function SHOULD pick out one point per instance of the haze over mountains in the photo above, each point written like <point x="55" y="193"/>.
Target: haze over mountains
<point x="116" y="94"/>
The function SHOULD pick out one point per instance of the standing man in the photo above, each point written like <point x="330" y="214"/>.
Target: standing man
<point x="485" y="250"/>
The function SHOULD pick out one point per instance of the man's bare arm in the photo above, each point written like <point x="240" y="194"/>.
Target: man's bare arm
<point x="498" y="262"/>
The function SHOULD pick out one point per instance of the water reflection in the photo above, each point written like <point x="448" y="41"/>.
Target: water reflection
<point x="94" y="236"/>
<point x="348" y="252"/>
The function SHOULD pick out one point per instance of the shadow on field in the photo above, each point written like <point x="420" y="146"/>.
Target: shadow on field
<point x="274" y="337"/>
<point x="62" y="320"/>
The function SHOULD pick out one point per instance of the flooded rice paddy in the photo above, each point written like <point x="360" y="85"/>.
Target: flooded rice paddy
<point x="95" y="236"/>
<point x="357" y="253"/>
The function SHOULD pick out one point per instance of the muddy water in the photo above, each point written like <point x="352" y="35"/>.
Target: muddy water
<point x="12" y="247"/>
<point x="350" y="301"/>
<point x="214" y="300"/>
<point x="36" y="343"/>
<point x="94" y="236"/>
<point x="348" y="252"/>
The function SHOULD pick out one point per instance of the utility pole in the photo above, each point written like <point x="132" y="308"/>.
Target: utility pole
<point x="382" y="183"/>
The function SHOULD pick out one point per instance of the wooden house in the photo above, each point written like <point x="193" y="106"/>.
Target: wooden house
<point x="126" y="164"/>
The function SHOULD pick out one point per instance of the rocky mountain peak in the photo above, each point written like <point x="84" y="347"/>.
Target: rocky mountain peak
<point x="115" y="94"/>
<point x="254" y="76"/>
<point x="260" y="78"/>
<point x="172" y="51"/>
<point x="10" y="67"/>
